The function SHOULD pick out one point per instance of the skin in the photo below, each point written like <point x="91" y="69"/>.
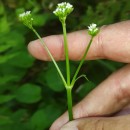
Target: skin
<point x="109" y="97"/>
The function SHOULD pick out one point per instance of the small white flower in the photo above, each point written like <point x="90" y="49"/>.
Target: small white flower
<point x="26" y="18"/>
<point x="92" y="29"/>
<point x="25" y="14"/>
<point x="63" y="9"/>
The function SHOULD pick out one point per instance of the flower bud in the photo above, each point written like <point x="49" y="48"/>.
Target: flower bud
<point x="26" y="18"/>
<point x="93" y="30"/>
<point x="63" y="10"/>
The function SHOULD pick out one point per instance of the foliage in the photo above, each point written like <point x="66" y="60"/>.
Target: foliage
<point x="30" y="96"/>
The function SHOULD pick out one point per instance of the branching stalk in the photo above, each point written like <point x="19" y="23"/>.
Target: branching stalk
<point x="62" y="11"/>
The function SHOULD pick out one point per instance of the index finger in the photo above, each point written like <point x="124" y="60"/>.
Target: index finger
<point x="112" y="42"/>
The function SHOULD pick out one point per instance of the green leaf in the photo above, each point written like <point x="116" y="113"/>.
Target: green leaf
<point x="7" y="78"/>
<point x="5" y="58"/>
<point x="12" y="40"/>
<point x="5" y="47"/>
<point x="4" y="25"/>
<point x="5" y="120"/>
<point x="6" y="98"/>
<point x="28" y="93"/>
<point x="22" y="59"/>
<point x="1" y="8"/>
<point x="43" y="118"/>
<point x="85" y="88"/>
<point x="19" y="115"/>
<point x="53" y="79"/>
<point x="4" y="110"/>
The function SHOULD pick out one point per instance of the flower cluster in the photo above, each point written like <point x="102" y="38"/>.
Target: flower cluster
<point x="26" y="18"/>
<point x="92" y="29"/>
<point x="63" y="9"/>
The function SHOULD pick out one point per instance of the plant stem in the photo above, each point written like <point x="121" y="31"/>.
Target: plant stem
<point x="81" y="62"/>
<point x="49" y="53"/>
<point x="69" y="101"/>
<point x="66" y="52"/>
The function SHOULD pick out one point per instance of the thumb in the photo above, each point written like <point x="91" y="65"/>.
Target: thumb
<point x="99" y="123"/>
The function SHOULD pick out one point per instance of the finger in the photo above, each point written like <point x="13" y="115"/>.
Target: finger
<point x="109" y="97"/>
<point x="111" y="123"/>
<point x="112" y="42"/>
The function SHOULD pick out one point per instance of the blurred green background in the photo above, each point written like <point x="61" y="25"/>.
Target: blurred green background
<point x="32" y="95"/>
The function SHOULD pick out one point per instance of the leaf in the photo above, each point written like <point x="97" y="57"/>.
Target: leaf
<point x="4" y="25"/>
<point x="53" y="79"/>
<point x="22" y="59"/>
<point x="28" y="93"/>
<point x="5" y="47"/>
<point x="6" y="98"/>
<point x="85" y="88"/>
<point x="7" y="78"/>
<point x="43" y="118"/>
<point x="5" y="58"/>
<point x="19" y="115"/>
<point x="13" y="40"/>
<point x="5" y="120"/>
<point x="1" y="8"/>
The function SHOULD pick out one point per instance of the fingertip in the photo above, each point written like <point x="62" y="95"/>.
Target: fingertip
<point x="54" y="44"/>
<point x="36" y="50"/>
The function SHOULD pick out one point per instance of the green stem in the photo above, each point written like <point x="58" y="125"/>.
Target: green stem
<point x="81" y="62"/>
<point x="46" y="48"/>
<point x="66" y="52"/>
<point x="69" y="101"/>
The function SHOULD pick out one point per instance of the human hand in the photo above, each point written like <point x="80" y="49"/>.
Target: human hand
<point x="113" y="94"/>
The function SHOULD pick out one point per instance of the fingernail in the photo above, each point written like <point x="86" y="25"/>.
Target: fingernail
<point x="69" y="128"/>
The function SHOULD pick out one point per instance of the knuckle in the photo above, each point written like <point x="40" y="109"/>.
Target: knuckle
<point x="100" y="44"/>
<point x="120" y="84"/>
<point x="121" y="92"/>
